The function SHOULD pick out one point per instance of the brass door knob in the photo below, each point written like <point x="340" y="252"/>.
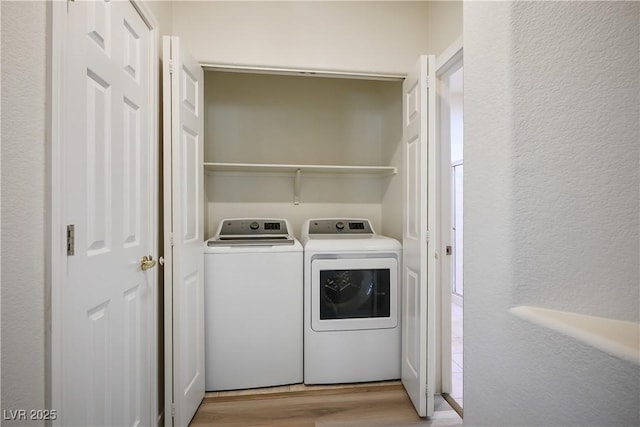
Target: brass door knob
<point x="147" y="262"/>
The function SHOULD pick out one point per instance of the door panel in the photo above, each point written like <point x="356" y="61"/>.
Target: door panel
<point x="184" y="195"/>
<point x="133" y="338"/>
<point x="413" y="206"/>
<point x="411" y="305"/>
<point x="107" y="303"/>
<point x="191" y="371"/>
<point x="98" y="156"/>
<point x="99" y="320"/>
<point x="98" y="17"/>
<point x="131" y="191"/>
<point x="190" y="176"/>
<point x="418" y="278"/>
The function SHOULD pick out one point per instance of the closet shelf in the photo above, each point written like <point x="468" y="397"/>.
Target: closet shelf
<point x="617" y="337"/>
<point x="296" y="171"/>
<point x="265" y="167"/>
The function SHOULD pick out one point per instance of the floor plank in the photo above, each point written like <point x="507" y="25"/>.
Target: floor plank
<point x="357" y="407"/>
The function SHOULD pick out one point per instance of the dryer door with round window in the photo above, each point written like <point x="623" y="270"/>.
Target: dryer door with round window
<point x="354" y="293"/>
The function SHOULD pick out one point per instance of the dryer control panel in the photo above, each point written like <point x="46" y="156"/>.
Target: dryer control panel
<point x="340" y="226"/>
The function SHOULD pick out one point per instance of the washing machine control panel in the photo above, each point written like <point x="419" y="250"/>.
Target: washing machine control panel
<point x="252" y="232"/>
<point x="239" y="227"/>
<point x="340" y="226"/>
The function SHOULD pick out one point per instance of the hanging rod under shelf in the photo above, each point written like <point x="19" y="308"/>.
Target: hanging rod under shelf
<point x="267" y="167"/>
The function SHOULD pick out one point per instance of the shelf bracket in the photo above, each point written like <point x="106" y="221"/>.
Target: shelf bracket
<point x="296" y="187"/>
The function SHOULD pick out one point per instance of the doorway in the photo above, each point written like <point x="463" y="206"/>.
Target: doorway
<point x="450" y="104"/>
<point x="457" y="283"/>
<point x="456" y="171"/>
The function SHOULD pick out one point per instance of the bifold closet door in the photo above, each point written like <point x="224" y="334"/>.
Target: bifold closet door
<point x="183" y="81"/>
<point x="419" y="236"/>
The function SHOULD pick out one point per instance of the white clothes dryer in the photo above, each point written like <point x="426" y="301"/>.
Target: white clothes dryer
<point x="253" y="305"/>
<point x="351" y="301"/>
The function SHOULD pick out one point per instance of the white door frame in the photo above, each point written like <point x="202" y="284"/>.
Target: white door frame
<point x="56" y="232"/>
<point x="449" y="58"/>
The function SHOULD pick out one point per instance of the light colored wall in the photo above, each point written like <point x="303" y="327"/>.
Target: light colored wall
<point x="260" y="118"/>
<point x="359" y="36"/>
<point x="552" y="132"/>
<point x="444" y="25"/>
<point x="24" y="136"/>
<point x="296" y="215"/>
<point x="26" y="42"/>
<point x="456" y="116"/>
<point x="392" y="155"/>
<point x="162" y="11"/>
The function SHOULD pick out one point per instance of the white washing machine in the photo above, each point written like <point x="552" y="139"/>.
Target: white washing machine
<point x="253" y="305"/>
<point x="351" y="301"/>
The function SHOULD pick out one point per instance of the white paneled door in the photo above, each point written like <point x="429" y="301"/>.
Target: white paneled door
<point x="419" y="237"/>
<point x="105" y="365"/>
<point x="183" y="89"/>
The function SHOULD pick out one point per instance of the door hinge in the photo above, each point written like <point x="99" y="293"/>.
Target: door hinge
<point x="427" y="236"/>
<point x="171" y="240"/>
<point x="71" y="237"/>
<point x="170" y="67"/>
<point x="173" y="409"/>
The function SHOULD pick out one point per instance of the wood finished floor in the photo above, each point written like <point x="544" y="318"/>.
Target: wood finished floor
<point x="375" y="406"/>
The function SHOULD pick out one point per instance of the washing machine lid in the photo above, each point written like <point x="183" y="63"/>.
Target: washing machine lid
<point x="252" y="232"/>
<point x="344" y="235"/>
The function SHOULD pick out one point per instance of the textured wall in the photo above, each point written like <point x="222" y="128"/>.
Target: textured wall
<point x="552" y="134"/>
<point x="576" y="73"/>
<point x="23" y="204"/>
